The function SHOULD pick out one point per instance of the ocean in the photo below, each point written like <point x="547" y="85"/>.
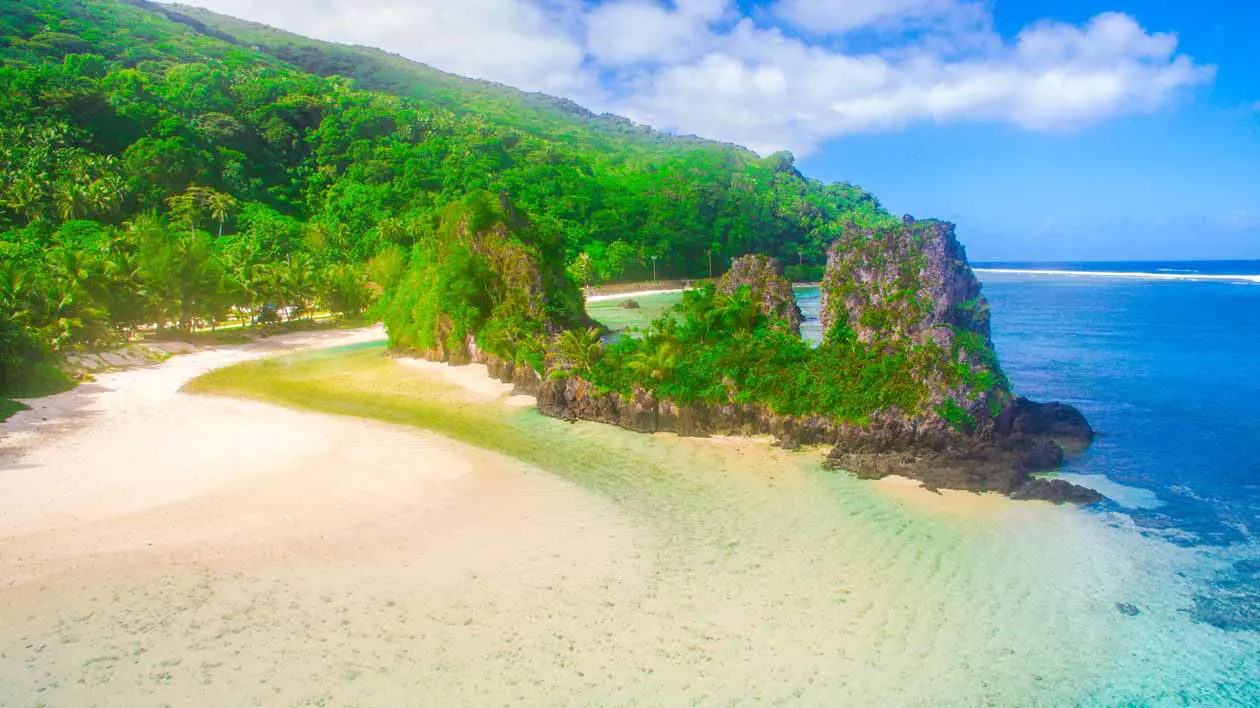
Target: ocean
<point x="1164" y="360"/>
<point x="658" y="570"/>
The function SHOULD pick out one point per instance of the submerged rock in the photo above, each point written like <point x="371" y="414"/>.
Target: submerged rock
<point x="1127" y="608"/>
<point x="770" y="290"/>
<point x="1231" y="601"/>
<point x="629" y="304"/>
<point x="1057" y="491"/>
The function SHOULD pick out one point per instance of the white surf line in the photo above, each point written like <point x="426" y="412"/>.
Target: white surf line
<point x="620" y="296"/>
<point x="1133" y="275"/>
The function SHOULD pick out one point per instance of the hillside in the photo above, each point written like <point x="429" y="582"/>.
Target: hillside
<point x="174" y="167"/>
<point x="376" y="70"/>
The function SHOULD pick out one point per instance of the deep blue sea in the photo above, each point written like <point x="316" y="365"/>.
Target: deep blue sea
<point x="1164" y="360"/>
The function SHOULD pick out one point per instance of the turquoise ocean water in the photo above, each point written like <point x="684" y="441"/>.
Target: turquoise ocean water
<point x="1149" y="599"/>
<point x="1164" y="359"/>
<point x="1165" y="362"/>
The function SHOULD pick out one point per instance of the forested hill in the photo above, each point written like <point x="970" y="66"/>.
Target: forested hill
<point x="174" y="169"/>
<point x="376" y="70"/>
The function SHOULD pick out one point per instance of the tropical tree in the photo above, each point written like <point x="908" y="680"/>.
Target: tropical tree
<point x="576" y="351"/>
<point x="221" y="205"/>
<point x="344" y="290"/>
<point x="738" y="311"/>
<point x="583" y="269"/>
<point x="657" y="363"/>
<point x="299" y="283"/>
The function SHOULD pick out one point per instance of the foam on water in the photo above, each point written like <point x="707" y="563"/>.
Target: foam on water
<point x="1159" y="274"/>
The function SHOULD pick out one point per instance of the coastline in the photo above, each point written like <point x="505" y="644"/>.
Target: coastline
<point x="630" y="294"/>
<point x="169" y="542"/>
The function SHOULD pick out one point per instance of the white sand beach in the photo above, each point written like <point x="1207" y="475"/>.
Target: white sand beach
<point x="160" y="548"/>
<point x="630" y="295"/>
<point x="164" y="548"/>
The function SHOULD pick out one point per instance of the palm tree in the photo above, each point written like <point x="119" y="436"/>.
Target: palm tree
<point x="299" y="282"/>
<point x="657" y="363"/>
<point x="126" y="294"/>
<point x="72" y="201"/>
<point x="576" y="351"/>
<point x="25" y="195"/>
<point x="221" y="205"/>
<point x="187" y="207"/>
<point x="738" y="310"/>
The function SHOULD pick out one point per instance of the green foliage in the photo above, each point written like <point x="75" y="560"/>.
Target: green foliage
<point x="956" y="416"/>
<point x="576" y="351"/>
<point x="225" y="167"/>
<point x="490" y="276"/>
<point x="719" y="349"/>
<point x="9" y="408"/>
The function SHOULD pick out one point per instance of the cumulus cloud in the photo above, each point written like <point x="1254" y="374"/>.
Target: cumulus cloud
<point x="627" y="32"/>
<point x="524" y="43"/>
<point x="699" y="66"/>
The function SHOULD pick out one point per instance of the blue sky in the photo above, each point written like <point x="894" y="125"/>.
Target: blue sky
<point x="1072" y="130"/>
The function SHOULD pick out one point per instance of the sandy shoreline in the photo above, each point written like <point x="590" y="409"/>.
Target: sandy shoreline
<point x="144" y="529"/>
<point x="159" y="548"/>
<point x="629" y="295"/>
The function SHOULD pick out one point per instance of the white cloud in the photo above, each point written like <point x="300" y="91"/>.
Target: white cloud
<point x="1053" y="77"/>
<point x="524" y="43"/>
<point x="627" y="32"/>
<point x="697" y="66"/>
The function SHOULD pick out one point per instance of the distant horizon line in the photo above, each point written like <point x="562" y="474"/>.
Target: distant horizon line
<point x="996" y="261"/>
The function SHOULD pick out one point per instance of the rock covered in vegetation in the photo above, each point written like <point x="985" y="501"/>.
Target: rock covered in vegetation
<point x="909" y="291"/>
<point x="488" y="286"/>
<point x="575" y="398"/>
<point x="771" y="291"/>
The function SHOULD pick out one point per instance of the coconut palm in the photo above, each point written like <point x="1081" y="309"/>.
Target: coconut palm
<point x="739" y="311"/>
<point x="576" y="351"/>
<point x="221" y="206"/>
<point x="300" y="282"/>
<point x="657" y="363"/>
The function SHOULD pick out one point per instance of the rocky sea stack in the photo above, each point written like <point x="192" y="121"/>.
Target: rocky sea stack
<point x="912" y="289"/>
<point x="906" y="332"/>
<point x="771" y="292"/>
<point x="487" y="288"/>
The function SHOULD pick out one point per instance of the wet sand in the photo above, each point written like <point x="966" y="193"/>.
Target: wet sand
<point x="161" y="548"/>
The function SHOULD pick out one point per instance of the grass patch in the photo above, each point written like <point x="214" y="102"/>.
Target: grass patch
<point x="9" y="407"/>
<point x="42" y="379"/>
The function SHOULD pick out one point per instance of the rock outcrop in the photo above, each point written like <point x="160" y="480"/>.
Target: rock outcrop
<point x="487" y="279"/>
<point x="905" y="292"/>
<point x="769" y="289"/>
<point x="910" y="291"/>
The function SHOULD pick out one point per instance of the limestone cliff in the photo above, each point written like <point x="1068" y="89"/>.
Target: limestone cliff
<point x="769" y="289"/>
<point x="910" y="289"/>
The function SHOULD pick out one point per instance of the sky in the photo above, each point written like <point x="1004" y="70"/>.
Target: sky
<point x="1047" y="130"/>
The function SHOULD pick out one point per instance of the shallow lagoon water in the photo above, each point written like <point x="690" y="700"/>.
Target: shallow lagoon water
<point x="761" y="578"/>
<point x="711" y="572"/>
